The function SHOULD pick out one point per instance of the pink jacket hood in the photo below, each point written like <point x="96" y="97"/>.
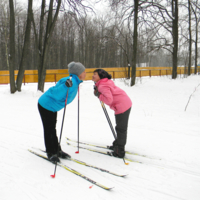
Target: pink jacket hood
<point x="113" y="96"/>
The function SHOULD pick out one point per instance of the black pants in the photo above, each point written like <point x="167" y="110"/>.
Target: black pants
<point x="49" y="120"/>
<point x="121" y="127"/>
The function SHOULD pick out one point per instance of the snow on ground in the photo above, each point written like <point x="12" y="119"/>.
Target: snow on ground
<point x="159" y="127"/>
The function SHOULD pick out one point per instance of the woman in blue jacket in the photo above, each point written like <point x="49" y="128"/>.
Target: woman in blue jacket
<point x="52" y="101"/>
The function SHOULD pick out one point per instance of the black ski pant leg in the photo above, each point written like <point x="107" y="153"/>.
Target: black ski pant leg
<point x="49" y="120"/>
<point x="121" y="127"/>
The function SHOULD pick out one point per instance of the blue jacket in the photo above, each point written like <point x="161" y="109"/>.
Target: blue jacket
<point x="54" y="98"/>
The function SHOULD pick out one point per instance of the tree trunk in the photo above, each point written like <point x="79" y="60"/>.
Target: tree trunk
<point x="175" y="37"/>
<point x="6" y="36"/>
<point x="127" y="57"/>
<point x="12" y="48"/>
<point x="49" y="30"/>
<point x="25" y="52"/>
<point x="135" y="38"/>
<point x="39" y="45"/>
<point x="196" y="39"/>
<point x="190" y="39"/>
<point x="196" y="49"/>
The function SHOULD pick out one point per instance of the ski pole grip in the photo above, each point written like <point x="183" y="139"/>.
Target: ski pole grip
<point x="68" y="82"/>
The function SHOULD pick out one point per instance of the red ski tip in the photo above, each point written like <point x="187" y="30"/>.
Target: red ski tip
<point x="91" y="186"/>
<point x="77" y="152"/>
<point x="53" y="176"/>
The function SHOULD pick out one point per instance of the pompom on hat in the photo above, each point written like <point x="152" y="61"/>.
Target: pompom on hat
<point x="76" y="68"/>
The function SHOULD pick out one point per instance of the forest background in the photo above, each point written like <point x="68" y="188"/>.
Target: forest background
<point x="103" y="33"/>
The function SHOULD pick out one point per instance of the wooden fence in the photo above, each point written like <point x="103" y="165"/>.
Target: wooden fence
<point x="31" y="76"/>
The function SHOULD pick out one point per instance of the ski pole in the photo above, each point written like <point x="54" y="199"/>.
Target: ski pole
<point x="78" y="122"/>
<point x="108" y="119"/>
<point x="107" y="116"/>
<point x="109" y="122"/>
<point x="53" y="176"/>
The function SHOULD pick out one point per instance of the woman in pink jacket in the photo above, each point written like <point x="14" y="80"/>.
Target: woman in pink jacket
<point x="118" y="101"/>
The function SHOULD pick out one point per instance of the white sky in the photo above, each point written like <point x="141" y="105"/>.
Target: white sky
<point x="99" y="8"/>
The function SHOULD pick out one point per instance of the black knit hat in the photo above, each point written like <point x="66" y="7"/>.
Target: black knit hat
<point x="103" y="74"/>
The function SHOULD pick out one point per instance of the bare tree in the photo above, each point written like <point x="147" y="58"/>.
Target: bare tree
<point x="156" y="15"/>
<point x="190" y="19"/>
<point x="190" y="37"/>
<point x="163" y="17"/>
<point x="174" y="5"/>
<point x="135" y="40"/>
<point x="124" y="43"/>
<point x="25" y="51"/>
<point x="12" y="47"/>
<point x="196" y="10"/>
<point x="43" y="54"/>
<point x="43" y="43"/>
<point x="130" y="10"/>
<point x="75" y="8"/>
<point x="4" y="19"/>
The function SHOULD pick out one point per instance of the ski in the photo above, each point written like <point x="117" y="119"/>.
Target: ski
<point x="108" y="153"/>
<point x="104" y="147"/>
<point x="73" y="171"/>
<point x="92" y="166"/>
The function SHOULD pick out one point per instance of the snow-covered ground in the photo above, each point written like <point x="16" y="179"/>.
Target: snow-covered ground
<point x="159" y="127"/>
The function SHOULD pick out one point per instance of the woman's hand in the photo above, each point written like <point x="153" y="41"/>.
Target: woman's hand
<point x="96" y="92"/>
<point x="68" y="83"/>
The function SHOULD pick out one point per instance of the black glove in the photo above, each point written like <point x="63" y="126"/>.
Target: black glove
<point x="96" y="92"/>
<point x="68" y="83"/>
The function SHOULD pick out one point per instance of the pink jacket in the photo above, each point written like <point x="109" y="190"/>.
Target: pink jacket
<point x="113" y="96"/>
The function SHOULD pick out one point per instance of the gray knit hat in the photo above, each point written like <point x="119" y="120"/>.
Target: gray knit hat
<point x="76" y="68"/>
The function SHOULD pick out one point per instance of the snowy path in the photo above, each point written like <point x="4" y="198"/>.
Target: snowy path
<point x="158" y="127"/>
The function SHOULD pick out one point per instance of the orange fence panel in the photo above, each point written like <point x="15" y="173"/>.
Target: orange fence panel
<point x="54" y="75"/>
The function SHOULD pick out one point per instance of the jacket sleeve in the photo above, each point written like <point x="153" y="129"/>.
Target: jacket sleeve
<point x="106" y="95"/>
<point x="59" y="92"/>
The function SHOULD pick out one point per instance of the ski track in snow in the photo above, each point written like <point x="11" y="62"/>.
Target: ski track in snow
<point x="158" y="127"/>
